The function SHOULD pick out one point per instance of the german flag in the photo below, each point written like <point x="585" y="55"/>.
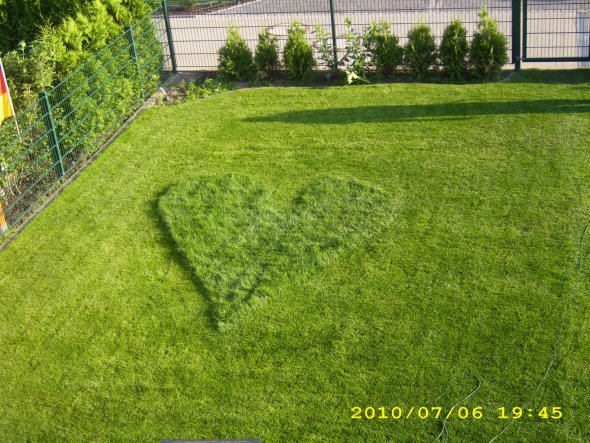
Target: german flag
<point x="6" y="109"/>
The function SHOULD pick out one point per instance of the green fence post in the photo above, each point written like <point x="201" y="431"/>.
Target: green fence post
<point x="169" y="34"/>
<point x="132" y="50"/>
<point x="333" y="20"/>
<point x="52" y="133"/>
<point x="516" y="33"/>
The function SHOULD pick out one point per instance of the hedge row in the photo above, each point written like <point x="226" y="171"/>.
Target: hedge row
<point x="374" y="51"/>
<point x="37" y="56"/>
<point x="87" y="106"/>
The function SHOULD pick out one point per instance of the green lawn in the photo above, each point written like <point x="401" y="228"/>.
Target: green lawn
<point x="455" y="281"/>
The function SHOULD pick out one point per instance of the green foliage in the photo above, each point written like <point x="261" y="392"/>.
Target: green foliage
<point x="87" y="106"/>
<point x="298" y="53"/>
<point x="488" y="51"/>
<point x="241" y="244"/>
<point x="23" y="20"/>
<point x="60" y="48"/>
<point x="128" y="11"/>
<point x="454" y="49"/>
<point x="235" y="57"/>
<point x="80" y="36"/>
<point x="206" y="88"/>
<point x="355" y="57"/>
<point x="90" y="102"/>
<point x="383" y="48"/>
<point x="266" y="56"/>
<point x="420" y="50"/>
<point x="20" y="19"/>
<point x="325" y="49"/>
<point x="29" y="69"/>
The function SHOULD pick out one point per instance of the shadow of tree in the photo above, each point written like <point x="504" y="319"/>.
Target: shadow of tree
<point x="436" y="111"/>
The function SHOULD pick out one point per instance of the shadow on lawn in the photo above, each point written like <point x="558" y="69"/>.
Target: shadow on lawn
<point x="434" y="111"/>
<point x="552" y="76"/>
<point x="177" y="255"/>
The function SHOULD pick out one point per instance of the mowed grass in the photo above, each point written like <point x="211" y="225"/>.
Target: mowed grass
<point x="105" y="334"/>
<point x="242" y="245"/>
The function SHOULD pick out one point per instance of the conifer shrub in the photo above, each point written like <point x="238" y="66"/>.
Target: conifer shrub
<point x="235" y="57"/>
<point x="383" y="48"/>
<point x="489" y="48"/>
<point x="298" y="53"/>
<point x="266" y="57"/>
<point x="454" y="49"/>
<point x="420" y="51"/>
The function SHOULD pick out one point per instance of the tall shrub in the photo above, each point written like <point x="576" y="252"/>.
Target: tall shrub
<point x="266" y="57"/>
<point x="355" y="57"/>
<point x="489" y="48"/>
<point x="453" y="49"/>
<point x="325" y="49"/>
<point x="298" y="53"/>
<point x="383" y="48"/>
<point x="235" y="57"/>
<point x="420" y="51"/>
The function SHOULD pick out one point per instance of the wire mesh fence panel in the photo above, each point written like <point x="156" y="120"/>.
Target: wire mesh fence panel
<point x="73" y="119"/>
<point x="27" y="167"/>
<point x="437" y="14"/>
<point x="556" y="29"/>
<point x="199" y="29"/>
<point x="153" y="57"/>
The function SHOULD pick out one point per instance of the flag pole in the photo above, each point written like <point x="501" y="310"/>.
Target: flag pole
<point x="11" y="104"/>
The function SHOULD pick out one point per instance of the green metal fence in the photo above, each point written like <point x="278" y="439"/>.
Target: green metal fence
<point x="538" y="30"/>
<point x="72" y="120"/>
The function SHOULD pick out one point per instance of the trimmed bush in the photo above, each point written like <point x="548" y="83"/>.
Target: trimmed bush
<point x="235" y="57"/>
<point x="266" y="57"/>
<point x="298" y="54"/>
<point x="454" y="49"/>
<point x="488" y="52"/>
<point x="420" y="51"/>
<point x="383" y="48"/>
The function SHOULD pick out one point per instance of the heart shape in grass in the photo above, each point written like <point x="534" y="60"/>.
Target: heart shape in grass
<point x="243" y="244"/>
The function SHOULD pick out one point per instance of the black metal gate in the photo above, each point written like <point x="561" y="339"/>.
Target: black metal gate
<point x="556" y="30"/>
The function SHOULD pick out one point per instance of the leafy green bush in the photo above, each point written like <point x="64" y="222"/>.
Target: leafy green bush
<point x="58" y="50"/>
<point x="266" y="57"/>
<point x="454" y="49"/>
<point x="87" y="106"/>
<point x="29" y="69"/>
<point x="355" y="56"/>
<point x="383" y="48"/>
<point x="420" y="51"/>
<point x="298" y="53"/>
<point x="325" y="49"/>
<point x="235" y="57"/>
<point x="488" y="52"/>
<point x="208" y="87"/>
